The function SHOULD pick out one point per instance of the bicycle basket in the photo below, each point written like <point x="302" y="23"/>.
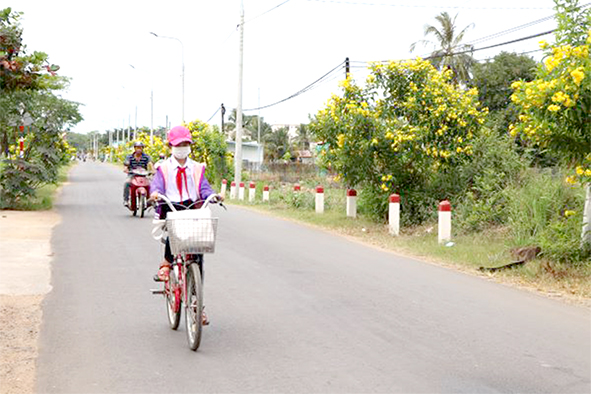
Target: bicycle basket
<point x="191" y="231"/>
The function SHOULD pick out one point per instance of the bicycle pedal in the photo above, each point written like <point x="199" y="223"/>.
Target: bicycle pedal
<point x="157" y="291"/>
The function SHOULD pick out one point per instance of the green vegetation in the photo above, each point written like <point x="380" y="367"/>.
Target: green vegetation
<point x="31" y="114"/>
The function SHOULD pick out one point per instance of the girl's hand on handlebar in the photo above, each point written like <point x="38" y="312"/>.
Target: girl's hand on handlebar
<point x="154" y="196"/>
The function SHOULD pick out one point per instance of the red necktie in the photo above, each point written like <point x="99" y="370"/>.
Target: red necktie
<point x="179" y="180"/>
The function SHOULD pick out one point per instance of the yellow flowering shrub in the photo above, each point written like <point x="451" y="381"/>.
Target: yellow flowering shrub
<point x="408" y="122"/>
<point x="555" y="107"/>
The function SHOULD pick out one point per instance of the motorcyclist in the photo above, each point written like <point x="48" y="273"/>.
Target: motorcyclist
<point x="138" y="159"/>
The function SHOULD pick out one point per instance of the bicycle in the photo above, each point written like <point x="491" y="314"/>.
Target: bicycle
<point x="191" y="232"/>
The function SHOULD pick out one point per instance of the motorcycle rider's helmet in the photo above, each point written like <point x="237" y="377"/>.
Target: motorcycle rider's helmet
<point x="138" y="143"/>
<point x="178" y="134"/>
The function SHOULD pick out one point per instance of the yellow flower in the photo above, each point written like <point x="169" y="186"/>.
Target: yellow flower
<point x="578" y="75"/>
<point x="543" y="44"/>
<point x="580" y="171"/>
<point x="571" y="180"/>
<point x="568" y="213"/>
<point x="559" y="97"/>
<point x="341" y="140"/>
<point x="553" y="108"/>
<point x="588" y="172"/>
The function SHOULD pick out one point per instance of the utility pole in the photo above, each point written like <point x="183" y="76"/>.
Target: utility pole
<point x="238" y="151"/>
<point x="259" y="120"/>
<point x="135" y="129"/>
<point x="346" y="67"/>
<point x="152" y="116"/>
<point x="223" y="113"/>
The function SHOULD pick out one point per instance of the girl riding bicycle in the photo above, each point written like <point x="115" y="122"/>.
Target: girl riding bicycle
<point x="183" y="181"/>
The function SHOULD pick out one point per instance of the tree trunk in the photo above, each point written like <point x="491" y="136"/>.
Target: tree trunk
<point x="586" y="234"/>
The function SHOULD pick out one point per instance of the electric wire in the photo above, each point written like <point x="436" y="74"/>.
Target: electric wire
<point x="301" y="91"/>
<point x="428" y="6"/>
<point x="211" y="117"/>
<point x="266" y="12"/>
<point x="514" y="29"/>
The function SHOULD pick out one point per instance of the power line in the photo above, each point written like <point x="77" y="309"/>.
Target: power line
<point x="493" y="46"/>
<point x="266" y="12"/>
<point x="521" y="53"/>
<point x="301" y="91"/>
<point x="211" y="117"/>
<point x="428" y="6"/>
<point x="514" y="29"/>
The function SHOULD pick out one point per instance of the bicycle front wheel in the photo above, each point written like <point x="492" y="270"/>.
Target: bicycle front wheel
<point x="172" y="295"/>
<point x="194" y="305"/>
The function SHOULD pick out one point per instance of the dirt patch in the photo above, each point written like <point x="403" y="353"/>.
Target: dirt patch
<point x="20" y="319"/>
<point x="26" y="273"/>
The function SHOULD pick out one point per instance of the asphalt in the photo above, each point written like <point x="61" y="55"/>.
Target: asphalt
<point x="293" y="310"/>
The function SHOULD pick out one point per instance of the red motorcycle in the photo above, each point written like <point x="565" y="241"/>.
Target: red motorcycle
<point x="139" y="191"/>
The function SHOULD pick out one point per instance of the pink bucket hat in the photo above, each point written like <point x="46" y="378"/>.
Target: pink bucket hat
<point x="178" y="134"/>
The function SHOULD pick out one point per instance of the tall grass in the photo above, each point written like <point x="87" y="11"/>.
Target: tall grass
<point x="543" y="210"/>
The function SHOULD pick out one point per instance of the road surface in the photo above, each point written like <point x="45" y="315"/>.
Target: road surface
<point x="292" y="309"/>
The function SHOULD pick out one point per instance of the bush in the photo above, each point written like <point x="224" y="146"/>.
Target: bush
<point x="542" y="210"/>
<point x="494" y="165"/>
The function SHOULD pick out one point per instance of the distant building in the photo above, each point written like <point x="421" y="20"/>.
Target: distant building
<point x="304" y="157"/>
<point x="252" y="153"/>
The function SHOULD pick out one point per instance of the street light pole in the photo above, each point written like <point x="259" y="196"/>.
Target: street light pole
<point x="182" y="74"/>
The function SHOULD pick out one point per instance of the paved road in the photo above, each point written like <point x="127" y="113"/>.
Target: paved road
<point x="293" y="310"/>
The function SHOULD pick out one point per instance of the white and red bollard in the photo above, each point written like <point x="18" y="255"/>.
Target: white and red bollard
<point x="223" y="188"/>
<point x="266" y="193"/>
<point x="394" y="214"/>
<point x="232" y="190"/>
<point x="251" y="191"/>
<point x="319" y="199"/>
<point x="241" y="191"/>
<point x="444" y="232"/>
<point x="351" y="203"/>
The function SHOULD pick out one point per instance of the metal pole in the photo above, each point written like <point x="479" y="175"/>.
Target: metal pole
<point x="223" y="113"/>
<point x="259" y="119"/>
<point x="135" y="130"/>
<point x="238" y="152"/>
<point x="152" y="116"/>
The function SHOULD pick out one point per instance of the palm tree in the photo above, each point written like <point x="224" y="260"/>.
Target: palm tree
<point x="303" y="137"/>
<point x="450" y="53"/>
<point x="250" y="126"/>
<point x="276" y="144"/>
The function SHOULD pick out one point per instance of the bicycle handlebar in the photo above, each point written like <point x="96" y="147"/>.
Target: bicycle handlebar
<point x="213" y="198"/>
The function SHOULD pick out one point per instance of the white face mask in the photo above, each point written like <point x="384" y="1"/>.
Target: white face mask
<point x="181" y="152"/>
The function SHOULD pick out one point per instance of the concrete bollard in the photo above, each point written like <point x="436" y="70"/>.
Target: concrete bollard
<point x="223" y="188"/>
<point x="394" y="214"/>
<point x="296" y="187"/>
<point x="444" y="232"/>
<point x="266" y="193"/>
<point x="319" y="199"/>
<point x="351" y="203"/>
<point x="241" y="191"/>
<point x="251" y="191"/>
<point x="232" y="190"/>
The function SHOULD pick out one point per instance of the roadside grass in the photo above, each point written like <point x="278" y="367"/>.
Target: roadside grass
<point x="45" y="195"/>
<point x="469" y="252"/>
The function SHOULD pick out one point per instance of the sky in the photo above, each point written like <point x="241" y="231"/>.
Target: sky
<point x="124" y="76"/>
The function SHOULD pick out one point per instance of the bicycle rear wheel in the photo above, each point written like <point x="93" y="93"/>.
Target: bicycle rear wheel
<point x="172" y="295"/>
<point x="194" y="305"/>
